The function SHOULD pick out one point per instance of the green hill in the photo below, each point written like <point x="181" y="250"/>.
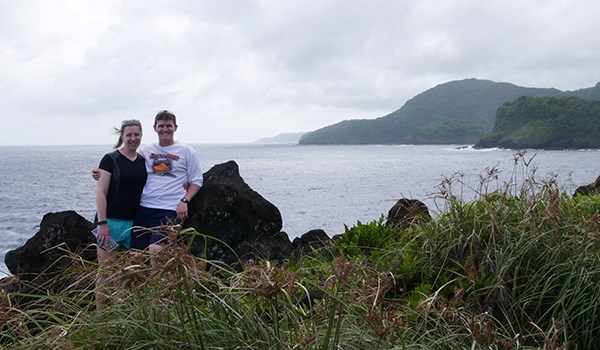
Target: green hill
<point x="454" y="112"/>
<point x="546" y="123"/>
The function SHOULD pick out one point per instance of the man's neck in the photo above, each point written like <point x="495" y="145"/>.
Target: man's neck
<point x="166" y="143"/>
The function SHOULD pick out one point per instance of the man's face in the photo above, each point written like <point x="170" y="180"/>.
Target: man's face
<point x="165" y="129"/>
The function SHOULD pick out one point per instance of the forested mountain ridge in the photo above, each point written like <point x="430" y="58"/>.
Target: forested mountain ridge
<point x="460" y="111"/>
<point x="546" y="123"/>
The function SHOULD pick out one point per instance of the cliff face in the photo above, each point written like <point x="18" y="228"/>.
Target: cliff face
<point x="455" y="112"/>
<point x="546" y="123"/>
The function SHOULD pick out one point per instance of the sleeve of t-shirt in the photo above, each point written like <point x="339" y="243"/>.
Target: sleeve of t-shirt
<point x="106" y="163"/>
<point x="194" y="173"/>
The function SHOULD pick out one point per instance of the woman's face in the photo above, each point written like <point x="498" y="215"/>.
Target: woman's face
<point x="132" y="136"/>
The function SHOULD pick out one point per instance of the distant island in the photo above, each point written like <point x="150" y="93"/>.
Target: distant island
<point x="290" y="137"/>
<point x="456" y="112"/>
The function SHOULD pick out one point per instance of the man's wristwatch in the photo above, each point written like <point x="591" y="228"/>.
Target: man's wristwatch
<point x="184" y="200"/>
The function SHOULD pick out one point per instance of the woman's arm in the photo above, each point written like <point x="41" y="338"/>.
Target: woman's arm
<point x="101" y="204"/>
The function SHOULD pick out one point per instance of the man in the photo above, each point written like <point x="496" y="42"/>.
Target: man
<point x="170" y="166"/>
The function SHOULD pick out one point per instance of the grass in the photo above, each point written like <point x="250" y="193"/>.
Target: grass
<point x="518" y="268"/>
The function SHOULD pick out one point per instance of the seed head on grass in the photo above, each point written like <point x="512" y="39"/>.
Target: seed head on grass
<point x="342" y="270"/>
<point x="268" y="281"/>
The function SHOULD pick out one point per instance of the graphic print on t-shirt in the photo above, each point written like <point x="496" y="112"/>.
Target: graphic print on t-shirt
<point x="162" y="164"/>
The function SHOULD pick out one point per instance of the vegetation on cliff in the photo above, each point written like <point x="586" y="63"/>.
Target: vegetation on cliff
<point x="546" y="123"/>
<point x="519" y="268"/>
<point x="447" y="132"/>
<point x="425" y="117"/>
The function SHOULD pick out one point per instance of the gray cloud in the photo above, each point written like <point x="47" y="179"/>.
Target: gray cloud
<point x="237" y="71"/>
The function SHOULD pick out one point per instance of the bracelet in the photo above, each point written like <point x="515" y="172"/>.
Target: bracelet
<point x="103" y="222"/>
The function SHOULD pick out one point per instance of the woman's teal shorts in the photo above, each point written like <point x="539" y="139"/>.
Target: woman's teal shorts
<point x="120" y="231"/>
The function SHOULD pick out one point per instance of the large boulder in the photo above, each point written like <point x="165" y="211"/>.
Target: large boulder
<point x="38" y="266"/>
<point x="588" y="190"/>
<point x="48" y="251"/>
<point x="236" y="219"/>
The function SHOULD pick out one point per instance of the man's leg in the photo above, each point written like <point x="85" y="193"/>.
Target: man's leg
<point x="150" y="232"/>
<point x="140" y="235"/>
<point x="159" y="236"/>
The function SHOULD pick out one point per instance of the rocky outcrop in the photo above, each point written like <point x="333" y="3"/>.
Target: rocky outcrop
<point x="408" y="211"/>
<point x="38" y="266"/>
<point x="588" y="190"/>
<point x="60" y="234"/>
<point x="234" y="219"/>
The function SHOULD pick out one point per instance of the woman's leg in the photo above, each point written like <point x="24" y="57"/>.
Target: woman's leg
<point x="104" y="261"/>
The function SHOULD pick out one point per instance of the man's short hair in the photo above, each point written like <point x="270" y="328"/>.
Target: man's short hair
<point x="165" y="115"/>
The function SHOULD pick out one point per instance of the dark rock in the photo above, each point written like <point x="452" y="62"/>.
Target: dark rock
<point x="229" y="211"/>
<point x="276" y="247"/>
<point x="588" y="190"/>
<point x="408" y="211"/>
<point x="47" y="251"/>
<point x="64" y="239"/>
<point x="311" y="241"/>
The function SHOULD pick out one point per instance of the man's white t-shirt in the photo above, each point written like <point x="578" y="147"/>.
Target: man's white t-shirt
<point x="168" y="169"/>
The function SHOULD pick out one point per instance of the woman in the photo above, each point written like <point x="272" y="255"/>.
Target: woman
<point x="118" y="192"/>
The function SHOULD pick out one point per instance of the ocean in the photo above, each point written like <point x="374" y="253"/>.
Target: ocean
<point x="323" y="187"/>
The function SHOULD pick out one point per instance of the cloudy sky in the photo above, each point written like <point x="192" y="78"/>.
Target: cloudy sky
<point x="236" y="71"/>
